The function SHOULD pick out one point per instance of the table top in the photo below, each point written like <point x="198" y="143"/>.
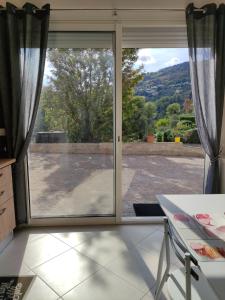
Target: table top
<point x="183" y="212"/>
<point x="4" y="162"/>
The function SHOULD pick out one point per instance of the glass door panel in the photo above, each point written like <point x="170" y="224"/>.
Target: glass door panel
<point x="159" y="129"/>
<point x="71" y="156"/>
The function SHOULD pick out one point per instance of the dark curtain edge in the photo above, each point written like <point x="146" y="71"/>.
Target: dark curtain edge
<point x="28" y="8"/>
<point x="21" y="184"/>
<point x="207" y="9"/>
<point x="211" y="181"/>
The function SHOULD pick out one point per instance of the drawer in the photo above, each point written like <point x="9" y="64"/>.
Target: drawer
<point x="5" y="174"/>
<point x="6" y="189"/>
<point x="7" y="218"/>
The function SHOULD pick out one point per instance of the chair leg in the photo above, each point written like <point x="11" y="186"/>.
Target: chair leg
<point x="165" y="247"/>
<point x="188" y="275"/>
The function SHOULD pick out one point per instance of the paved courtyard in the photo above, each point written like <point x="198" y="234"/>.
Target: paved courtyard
<point x="76" y="184"/>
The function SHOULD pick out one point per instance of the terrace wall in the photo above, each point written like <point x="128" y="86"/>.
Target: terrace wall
<point x="165" y="149"/>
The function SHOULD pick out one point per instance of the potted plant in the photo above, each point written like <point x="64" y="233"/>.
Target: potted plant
<point x="177" y="136"/>
<point x="150" y="135"/>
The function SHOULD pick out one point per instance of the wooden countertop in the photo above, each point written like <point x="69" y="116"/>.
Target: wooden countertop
<point x="4" y="162"/>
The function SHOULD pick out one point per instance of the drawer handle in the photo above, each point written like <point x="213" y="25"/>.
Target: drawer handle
<point x="2" y="211"/>
<point x="2" y="193"/>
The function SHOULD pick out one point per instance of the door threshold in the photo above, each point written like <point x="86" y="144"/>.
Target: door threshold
<point x="142" y="220"/>
<point x="71" y="221"/>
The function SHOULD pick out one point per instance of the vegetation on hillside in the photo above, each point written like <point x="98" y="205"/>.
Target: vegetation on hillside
<point x="171" y="81"/>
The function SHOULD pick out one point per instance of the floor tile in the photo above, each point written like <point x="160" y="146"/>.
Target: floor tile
<point x="12" y="259"/>
<point x="103" y="247"/>
<point x="153" y="242"/>
<point x="151" y="295"/>
<point x="135" y="267"/>
<point x="43" y="249"/>
<point x="10" y="267"/>
<point x="30" y="234"/>
<point x="136" y="233"/>
<point x="104" y="285"/>
<point x="65" y="271"/>
<point x="129" y="254"/>
<point x="40" y="291"/>
<point x="74" y="238"/>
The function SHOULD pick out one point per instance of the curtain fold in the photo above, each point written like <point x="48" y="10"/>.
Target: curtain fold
<point x="206" y="42"/>
<point x="23" y="43"/>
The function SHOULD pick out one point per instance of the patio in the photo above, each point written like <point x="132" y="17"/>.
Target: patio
<point x="67" y="184"/>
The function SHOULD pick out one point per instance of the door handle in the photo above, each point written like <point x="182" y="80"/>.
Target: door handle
<point x="1" y="174"/>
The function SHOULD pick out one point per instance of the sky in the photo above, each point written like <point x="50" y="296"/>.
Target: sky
<point x="155" y="59"/>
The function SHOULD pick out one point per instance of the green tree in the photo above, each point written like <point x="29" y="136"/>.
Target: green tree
<point x="78" y="98"/>
<point x="173" y="112"/>
<point x="173" y="109"/>
<point x="188" y="106"/>
<point x="135" y="113"/>
<point x="150" y="111"/>
<point x="162" y="124"/>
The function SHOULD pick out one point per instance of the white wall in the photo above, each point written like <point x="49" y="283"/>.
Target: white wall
<point x="114" y="3"/>
<point x="69" y="20"/>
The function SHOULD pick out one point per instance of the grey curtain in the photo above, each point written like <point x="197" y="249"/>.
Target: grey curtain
<point x="206" y="42"/>
<point x="23" y="42"/>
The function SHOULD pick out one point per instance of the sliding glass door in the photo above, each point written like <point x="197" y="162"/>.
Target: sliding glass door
<point x="71" y="156"/>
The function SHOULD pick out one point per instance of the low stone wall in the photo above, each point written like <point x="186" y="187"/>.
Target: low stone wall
<point x="165" y="149"/>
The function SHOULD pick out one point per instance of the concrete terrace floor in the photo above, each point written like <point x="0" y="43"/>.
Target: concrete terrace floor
<point x="80" y="184"/>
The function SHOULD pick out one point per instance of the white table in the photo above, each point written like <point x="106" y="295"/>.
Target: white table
<point x="213" y="270"/>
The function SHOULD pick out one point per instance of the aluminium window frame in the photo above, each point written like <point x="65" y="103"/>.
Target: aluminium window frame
<point x="117" y="27"/>
<point x="96" y="220"/>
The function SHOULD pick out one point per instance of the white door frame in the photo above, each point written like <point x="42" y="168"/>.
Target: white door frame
<point x="99" y="220"/>
<point x="118" y="120"/>
<point x="117" y="27"/>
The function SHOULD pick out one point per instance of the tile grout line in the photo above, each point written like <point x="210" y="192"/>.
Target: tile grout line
<point x="83" y="281"/>
<point x="92" y="275"/>
<point x="48" y="285"/>
<point x="43" y="278"/>
<point x="102" y="266"/>
<point x="32" y="269"/>
<point x="52" y="234"/>
<point x="148" y="236"/>
<point x="125" y="280"/>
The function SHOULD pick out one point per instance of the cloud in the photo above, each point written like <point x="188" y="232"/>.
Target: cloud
<point x="145" y="57"/>
<point x="173" y="61"/>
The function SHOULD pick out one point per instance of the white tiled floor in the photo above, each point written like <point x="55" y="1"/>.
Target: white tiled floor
<point x="99" y="263"/>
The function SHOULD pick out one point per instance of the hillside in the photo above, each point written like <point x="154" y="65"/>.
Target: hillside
<point x="170" y="81"/>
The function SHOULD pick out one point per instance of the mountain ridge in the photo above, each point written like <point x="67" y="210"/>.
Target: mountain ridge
<point x="173" y="81"/>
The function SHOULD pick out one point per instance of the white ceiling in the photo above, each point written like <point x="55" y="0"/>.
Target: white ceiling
<point x="92" y="4"/>
<point x="154" y="13"/>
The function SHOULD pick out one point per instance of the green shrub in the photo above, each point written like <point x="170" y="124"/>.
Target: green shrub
<point x="186" y="123"/>
<point x="168" y="136"/>
<point x="182" y="126"/>
<point x="187" y="117"/>
<point x="162" y="124"/>
<point x="191" y="136"/>
<point x="160" y="136"/>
